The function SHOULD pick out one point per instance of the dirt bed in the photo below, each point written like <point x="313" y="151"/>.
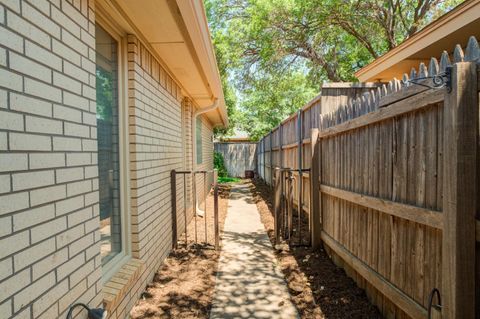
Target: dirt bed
<point x="319" y="289"/>
<point x="183" y="287"/>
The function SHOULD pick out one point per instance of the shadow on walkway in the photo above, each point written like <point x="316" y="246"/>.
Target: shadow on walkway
<point x="249" y="281"/>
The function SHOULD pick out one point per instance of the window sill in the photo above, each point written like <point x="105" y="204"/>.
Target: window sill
<point x="121" y="282"/>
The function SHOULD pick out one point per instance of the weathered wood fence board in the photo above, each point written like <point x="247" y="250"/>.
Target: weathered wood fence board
<point x="363" y="201"/>
<point x="393" y="184"/>
<point x="288" y="145"/>
<point x="238" y="157"/>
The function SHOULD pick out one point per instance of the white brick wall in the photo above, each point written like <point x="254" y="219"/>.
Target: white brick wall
<point x="207" y="164"/>
<point x="156" y="148"/>
<point x="47" y="147"/>
<point x="49" y="213"/>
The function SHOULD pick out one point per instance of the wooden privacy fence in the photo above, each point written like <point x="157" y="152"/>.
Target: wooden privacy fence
<point x="238" y="157"/>
<point x="288" y="145"/>
<point x="394" y="184"/>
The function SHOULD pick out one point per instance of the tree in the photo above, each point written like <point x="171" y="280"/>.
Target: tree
<point x="319" y="40"/>
<point x="222" y="48"/>
<point x="263" y="108"/>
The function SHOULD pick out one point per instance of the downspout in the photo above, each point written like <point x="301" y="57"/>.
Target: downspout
<point x="212" y="107"/>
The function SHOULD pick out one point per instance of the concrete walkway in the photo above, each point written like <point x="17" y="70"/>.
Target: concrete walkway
<point x="249" y="282"/>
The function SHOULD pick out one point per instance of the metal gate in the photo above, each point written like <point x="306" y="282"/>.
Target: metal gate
<point x="180" y="213"/>
<point x="292" y="221"/>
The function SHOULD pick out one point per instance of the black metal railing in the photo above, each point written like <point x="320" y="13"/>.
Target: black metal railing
<point x="194" y="206"/>
<point x="285" y="208"/>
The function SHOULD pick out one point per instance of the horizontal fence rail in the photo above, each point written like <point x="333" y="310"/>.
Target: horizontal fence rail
<point x="391" y="191"/>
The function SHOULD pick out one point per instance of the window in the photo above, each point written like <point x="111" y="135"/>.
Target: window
<point x="108" y="135"/>
<point x="199" y="140"/>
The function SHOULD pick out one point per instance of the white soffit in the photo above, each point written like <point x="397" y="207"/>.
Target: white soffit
<point x="186" y="51"/>
<point x="155" y="21"/>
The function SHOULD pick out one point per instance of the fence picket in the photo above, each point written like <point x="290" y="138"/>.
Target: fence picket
<point x="460" y="143"/>
<point x="385" y="148"/>
<point x="473" y="50"/>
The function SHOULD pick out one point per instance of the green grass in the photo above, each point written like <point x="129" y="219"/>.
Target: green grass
<point x="224" y="180"/>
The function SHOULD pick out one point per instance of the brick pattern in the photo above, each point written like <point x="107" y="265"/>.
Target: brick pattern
<point x="49" y="211"/>
<point x="187" y="111"/>
<point x="160" y="140"/>
<point x="121" y="282"/>
<point x="155" y="149"/>
<point x="49" y="253"/>
<point x="207" y="164"/>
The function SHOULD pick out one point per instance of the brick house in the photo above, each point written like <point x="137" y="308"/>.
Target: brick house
<point x="99" y="101"/>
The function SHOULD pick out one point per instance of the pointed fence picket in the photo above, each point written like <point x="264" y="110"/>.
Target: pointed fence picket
<point x="394" y="184"/>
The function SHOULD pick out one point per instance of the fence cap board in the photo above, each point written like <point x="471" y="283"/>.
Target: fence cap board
<point x="386" y="94"/>
<point x="384" y="102"/>
<point x="409" y="104"/>
<point x="312" y="102"/>
<point x="404" y="92"/>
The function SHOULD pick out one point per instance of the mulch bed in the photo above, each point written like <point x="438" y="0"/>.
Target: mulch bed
<point x="183" y="287"/>
<point x="319" y="289"/>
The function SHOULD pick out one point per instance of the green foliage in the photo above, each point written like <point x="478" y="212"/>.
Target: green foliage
<point x="226" y="180"/>
<point x="222" y="48"/>
<point x="219" y="164"/>
<point x="104" y="84"/>
<point x="264" y="108"/>
<point x="273" y="55"/>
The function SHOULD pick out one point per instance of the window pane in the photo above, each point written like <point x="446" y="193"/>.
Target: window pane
<point x="199" y="140"/>
<point x="108" y="144"/>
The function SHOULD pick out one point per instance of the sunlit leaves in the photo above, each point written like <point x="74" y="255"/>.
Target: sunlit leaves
<point x="275" y="54"/>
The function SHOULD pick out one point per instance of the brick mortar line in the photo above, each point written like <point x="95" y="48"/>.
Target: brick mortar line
<point x="6" y="26"/>
<point x="31" y="77"/>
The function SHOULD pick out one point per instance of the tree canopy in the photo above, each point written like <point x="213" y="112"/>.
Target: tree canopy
<point x="274" y="55"/>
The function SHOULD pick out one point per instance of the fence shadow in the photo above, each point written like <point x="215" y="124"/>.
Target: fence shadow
<point x="314" y="281"/>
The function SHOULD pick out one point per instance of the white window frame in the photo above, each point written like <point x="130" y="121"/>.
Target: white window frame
<point x="113" y="265"/>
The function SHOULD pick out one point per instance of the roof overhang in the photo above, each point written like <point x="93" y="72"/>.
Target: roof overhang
<point x="176" y="31"/>
<point x="452" y="28"/>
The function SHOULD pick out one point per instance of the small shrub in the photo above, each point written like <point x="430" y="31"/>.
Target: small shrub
<point x="219" y="164"/>
<point x="226" y="180"/>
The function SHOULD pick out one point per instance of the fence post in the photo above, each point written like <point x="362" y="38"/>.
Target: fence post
<point x="271" y="160"/>
<point x="315" y="195"/>
<point x="215" y="214"/>
<point x="263" y="160"/>
<point x="280" y="145"/>
<point x="277" y="197"/>
<point x="194" y="202"/>
<point x="459" y="191"/>
<point x="173" y="183"/>
<point x="300" y="174"/>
